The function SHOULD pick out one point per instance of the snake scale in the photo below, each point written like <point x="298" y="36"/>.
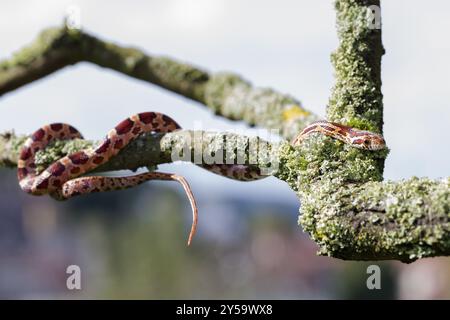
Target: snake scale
<point x="62" y="179"/>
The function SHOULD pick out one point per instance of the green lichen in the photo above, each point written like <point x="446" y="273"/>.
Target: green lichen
<point x="221" y="148"/>
<point x="356" y="98"/>
<point x="362" y="124"/>
<point x="178" y="71"/>
<point x="227" y="94"/>
<point x="58" y="149"/>
<point x="403" y="220"/>
<point x="323" y="158"/>
<point x="16" y="144"/>
<point x="222" y="86"/>
<point x="10" y="146"/>
<point x="108" y="54"/>
<point x="46" y="41"/>
<point x="231" y="96"/>
<point x="179" y="77"/>
<point x="41" y="45"/>
<point x="152" y="149"/>
<point x="345" y="207"/>
<point x="352" y="215"/>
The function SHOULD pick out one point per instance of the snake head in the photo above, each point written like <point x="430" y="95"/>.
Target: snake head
<point x="368" y="141"/>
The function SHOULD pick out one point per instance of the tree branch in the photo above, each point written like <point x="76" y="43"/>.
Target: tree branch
<point x="226" y="94"/>
<point x="152" y="149"/>
<point x="346" y="208"/>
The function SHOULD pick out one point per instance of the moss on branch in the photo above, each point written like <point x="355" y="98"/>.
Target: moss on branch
<point x="226" y="94"/>
<point x="352" y="215"/>
<point x="403" y="220"/>
<point x="345" y="206"/>
<point x="357" y="99"/>
<point x="150" y="150"/>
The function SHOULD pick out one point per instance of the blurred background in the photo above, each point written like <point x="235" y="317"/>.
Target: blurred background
<point x="131" y="244"/>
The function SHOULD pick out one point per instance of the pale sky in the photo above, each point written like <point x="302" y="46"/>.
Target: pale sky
<point x="280" y="44"/>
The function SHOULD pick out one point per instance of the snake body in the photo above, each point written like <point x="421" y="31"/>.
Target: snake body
<point x="62" y="180"/>
<point x="360" y="139"/>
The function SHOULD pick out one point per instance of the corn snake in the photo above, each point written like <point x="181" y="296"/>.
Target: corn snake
<point x="360" y="139"/>
<point x="62" y="179"/>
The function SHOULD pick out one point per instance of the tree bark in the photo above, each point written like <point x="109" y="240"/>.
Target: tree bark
<point x="345" y="206"/>
<point x="226" y="94"/>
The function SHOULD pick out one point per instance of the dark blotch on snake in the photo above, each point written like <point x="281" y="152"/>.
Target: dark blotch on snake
<point x="118" y="144"/>
<point x="147" y="117"/>
<point x="75" y="170"/>
<point x="21" y="173"/>
<point x="38" y="135"/>
<point x="43" y="184"/>
<point x="25" y="154"/>
<point x="56" y="126"/>
<point x="56" y="169"/>
<point x="73" y="130"/>
<point x="103" y="147"/>
<point x="98" y="160"/>
<point x="168" y="121"/>
<point x="136" y="130"/>
<point x="79" y="157"/>
<point x="125" y="126"/>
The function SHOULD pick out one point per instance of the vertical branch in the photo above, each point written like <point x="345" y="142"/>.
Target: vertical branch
<point x="356" y="98"/>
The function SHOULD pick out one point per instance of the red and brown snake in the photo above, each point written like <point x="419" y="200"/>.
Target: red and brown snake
<point x="360" y="139"/>
<point x="62" y="180"/>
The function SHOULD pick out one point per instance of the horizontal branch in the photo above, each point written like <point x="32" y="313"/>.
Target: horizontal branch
<point x="150" y="150"/>
<point x="347" y="216"/>
<point x="402" y="220"/>
<point x="352" y="215"/>
<point x="346" y="208"/>
<point x="227" y="94"/>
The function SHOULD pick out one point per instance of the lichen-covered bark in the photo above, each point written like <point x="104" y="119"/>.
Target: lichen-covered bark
<point x="356" y="99"/>
<point x="10" y="145"/>
<point x="150" y="150"/>
<point x="234" y="98"/>
<point x="226" y="94"/>
<point x="351" y="215"/>
<point x="346" y="211"/>
<point x="345" y="207"/>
